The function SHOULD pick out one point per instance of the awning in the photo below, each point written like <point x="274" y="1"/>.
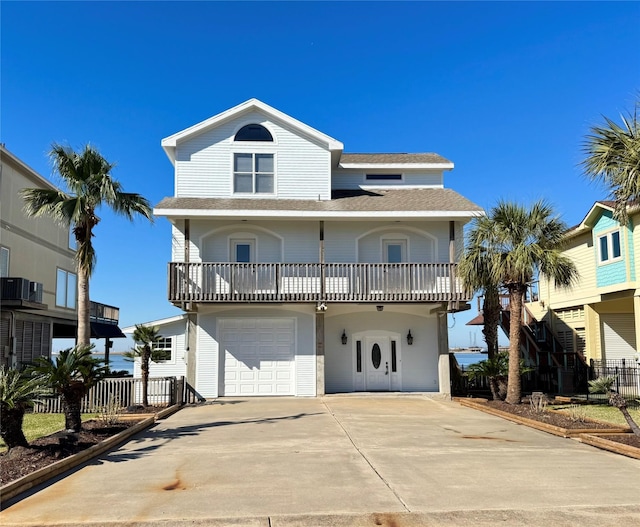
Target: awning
<point x="100" y="330"/>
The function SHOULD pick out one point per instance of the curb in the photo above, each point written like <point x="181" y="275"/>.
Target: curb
<point x="612" y="446"/>
<point x="18" y="486"/>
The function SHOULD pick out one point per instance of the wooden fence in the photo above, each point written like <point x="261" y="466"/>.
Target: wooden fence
<point x="127" y="391"/>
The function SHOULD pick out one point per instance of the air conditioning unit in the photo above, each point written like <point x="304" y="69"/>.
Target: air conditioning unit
<point x="15" y="289"/>
<point x="35" y="292"/>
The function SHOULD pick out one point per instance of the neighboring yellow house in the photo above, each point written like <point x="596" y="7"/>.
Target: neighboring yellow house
<point x="600" y="315"/>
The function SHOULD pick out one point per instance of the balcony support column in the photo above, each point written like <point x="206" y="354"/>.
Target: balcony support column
<point x="319" y="353"/>
<point x="444" y="369"/>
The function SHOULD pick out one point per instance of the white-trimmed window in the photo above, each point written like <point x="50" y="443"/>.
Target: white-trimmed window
<point x="4" y="261"/>
<point x="66" y="289"/>
<point x="243" y="251"/>
<point x="394" y="251"/>
<point x="609" y="247"/>
<point x="253" y="173"/>
<point x="162" y="349"/>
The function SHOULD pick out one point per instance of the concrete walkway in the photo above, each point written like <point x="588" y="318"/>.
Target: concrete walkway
<point x="343" y="461"/>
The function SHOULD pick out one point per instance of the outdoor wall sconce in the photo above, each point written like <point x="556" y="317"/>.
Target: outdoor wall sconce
<point x="410" y="338"/>
<point x="379" y="308"/>
<point x="344" y="337"/>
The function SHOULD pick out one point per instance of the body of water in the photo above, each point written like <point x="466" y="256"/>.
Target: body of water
<point x="466" y="359"/>
<point x="117" y="362"/>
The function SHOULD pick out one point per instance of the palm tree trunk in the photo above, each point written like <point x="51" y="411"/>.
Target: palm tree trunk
<point x="72" y="406"/>
<point x="145" y="377"/>
<point x="11" y="431"/>
<point x="514" y="387"/>
<point x="491" y="315"/>
<point x="84" y="326"/>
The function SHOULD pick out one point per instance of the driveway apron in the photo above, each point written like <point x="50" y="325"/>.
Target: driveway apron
<point x="264" y="457"/>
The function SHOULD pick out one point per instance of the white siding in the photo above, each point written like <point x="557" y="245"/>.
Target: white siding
<point x="177" y="366"/>
<point x="353" y="180"/>
<point x="204" y="163"/>
<point x="207" y="357"/>
<point x="298" y="242"/>
<point x="418" y="364"/>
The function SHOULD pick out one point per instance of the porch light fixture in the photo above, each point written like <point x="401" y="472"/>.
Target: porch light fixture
<point x="379" y="308"/>
<point x="410" y="338"/>
<point x="344" y="337"/>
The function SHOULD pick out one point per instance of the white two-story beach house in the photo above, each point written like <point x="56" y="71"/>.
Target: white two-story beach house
<point x="303" y="270"/>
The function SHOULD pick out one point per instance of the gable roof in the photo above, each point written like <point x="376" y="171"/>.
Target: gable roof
<point x="397" y="160"/>
<point x="170" y="143"/>
<point x="594" y="214"/>
<point x="436" y="203"/>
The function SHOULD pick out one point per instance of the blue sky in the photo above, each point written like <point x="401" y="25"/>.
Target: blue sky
<point x="506" y="90"/>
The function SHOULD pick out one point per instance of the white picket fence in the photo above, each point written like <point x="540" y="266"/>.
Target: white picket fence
<point x="122" y="392"/>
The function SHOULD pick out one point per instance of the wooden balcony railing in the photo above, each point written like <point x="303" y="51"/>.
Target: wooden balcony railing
<point x="314" y="282"/>
<point x="103" y="313"/>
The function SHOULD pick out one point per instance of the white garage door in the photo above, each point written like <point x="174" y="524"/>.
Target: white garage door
<point x="259" y="356"/>
<point x="619" y="336"/>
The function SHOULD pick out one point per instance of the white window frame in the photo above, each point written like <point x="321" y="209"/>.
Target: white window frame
<point x="4" y="261"/>
<point x="165" y="344"/>
<point x="608" y="237"/>
<point x="386" y="241"/>
<point x="233" y="244"/>
<point x="253" y="152"/>
<point x="70" y="290"/>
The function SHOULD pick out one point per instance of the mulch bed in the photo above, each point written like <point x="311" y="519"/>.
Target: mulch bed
<point x="563" y="421"/>
<point x="46" y="450"/>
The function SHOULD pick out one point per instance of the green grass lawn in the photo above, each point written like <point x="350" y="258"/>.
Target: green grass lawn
<point x="603" y="413"/>
<point x="39" y="425"/>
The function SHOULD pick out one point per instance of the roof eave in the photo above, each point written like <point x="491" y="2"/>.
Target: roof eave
<point x="397" y="166"/>
<point x="316" y="214"/>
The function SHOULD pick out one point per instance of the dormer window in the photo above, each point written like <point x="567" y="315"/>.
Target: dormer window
<point x="253" y="132"/>
<point x="609" y="247"/>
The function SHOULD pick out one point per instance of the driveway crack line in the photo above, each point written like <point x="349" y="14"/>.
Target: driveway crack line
<point x="388" y="485"/>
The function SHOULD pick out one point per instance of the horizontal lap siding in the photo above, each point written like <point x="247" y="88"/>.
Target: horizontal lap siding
<point x="582" y="252"/>
<point x="204" y="163"/>
<point x="353" y="180"/>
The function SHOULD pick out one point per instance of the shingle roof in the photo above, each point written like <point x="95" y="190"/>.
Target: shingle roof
<point x="412" y="200"/>
<point x="393" y="158"/>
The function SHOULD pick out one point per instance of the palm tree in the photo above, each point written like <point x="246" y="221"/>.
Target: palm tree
<point x="605" y="385"/>
<point x="473" y="270"/>
<point x="72" y="375"/>
<point x="87" y="176"/>
<point x="496" y="370"/>
<point x="521" y="243"/>
<point x="145" y="338"/>
<point x="613" y="156"/>
<point x="17" y="394"/>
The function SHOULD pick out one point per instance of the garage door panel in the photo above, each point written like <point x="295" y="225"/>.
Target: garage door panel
<point x="259" y="356"/>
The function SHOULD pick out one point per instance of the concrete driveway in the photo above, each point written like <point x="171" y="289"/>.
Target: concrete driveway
<point x="341" y="460"/>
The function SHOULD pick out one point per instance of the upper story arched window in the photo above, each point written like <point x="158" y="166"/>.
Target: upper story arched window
<point x="253" y="132"/>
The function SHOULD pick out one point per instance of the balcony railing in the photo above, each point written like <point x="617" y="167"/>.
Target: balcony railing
<point x="103" y="313"/>
<point x="314" y="282"/>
